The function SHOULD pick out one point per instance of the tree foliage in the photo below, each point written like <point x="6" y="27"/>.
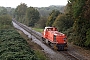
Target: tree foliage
<point x="32" y="16"/>
<point x="11" y="11"/>
<point x="20" y="12"/>
<point x="52" y="17"/>
<point x="87" y="42"/>
<point x="7" y="10"/>
<point x="3" y="11"/>
<point x="86" y="15"/>
<point x="5" y="22"/>
<point x="63" y="22"/>
<point x="27" y="15"/>
<point x="5" y="18"/>
<point x="80" y="13"/>
<point x="45" y="11"/>
<point x="41" y="23"/>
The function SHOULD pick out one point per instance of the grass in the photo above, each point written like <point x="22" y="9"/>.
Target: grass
<point x="40" y="55"/>
<point x="38" y="29"/>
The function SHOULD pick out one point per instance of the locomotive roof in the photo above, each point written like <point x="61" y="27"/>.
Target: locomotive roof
<point x="48" y="27"/>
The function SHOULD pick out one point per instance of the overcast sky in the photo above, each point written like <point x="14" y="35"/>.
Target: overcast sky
<point x="33" y="3"/>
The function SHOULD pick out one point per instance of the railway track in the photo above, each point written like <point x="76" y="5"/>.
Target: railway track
<point x="39" y="37"/>
<point x="29" y="30"/>
<point x="65" y="53"/>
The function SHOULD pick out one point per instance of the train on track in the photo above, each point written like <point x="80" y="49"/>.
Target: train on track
<point x="50" y="35"/>
<point x="55" y="39"/>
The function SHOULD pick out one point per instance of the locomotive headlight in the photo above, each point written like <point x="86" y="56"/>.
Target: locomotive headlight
<point x="64" y="42"/>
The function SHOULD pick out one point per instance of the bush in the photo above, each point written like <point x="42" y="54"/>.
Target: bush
<point x="14" y="47"/>
<point x="87" y="42"/>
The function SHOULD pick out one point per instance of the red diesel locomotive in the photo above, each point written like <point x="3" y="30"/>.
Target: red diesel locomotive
<point x="54" y="38"/>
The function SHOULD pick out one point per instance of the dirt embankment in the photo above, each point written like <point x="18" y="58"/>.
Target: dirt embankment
<point x="79" y="51"/>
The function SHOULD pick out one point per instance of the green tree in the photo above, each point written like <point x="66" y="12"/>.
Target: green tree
<point x="11" y="11"/>
<point x="80" y="13"/>
<point x="52" y="16"/>
<point x="5" y="22"/>
<point x="79" y="28"/>
<point x="32" y="16"/>
<point x="63" y="22"/>
<point x="20" y="12"/>
<point x="87" y="42"/>
<point x="41" y="23"/>
<point x="86" y="15"/>
<point x="3" y="11"/>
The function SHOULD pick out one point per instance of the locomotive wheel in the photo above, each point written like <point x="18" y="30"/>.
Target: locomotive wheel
<point x="46" y="41"/>
<point x="43" y="40"/>
<point x="53" y="46"/>
<point x="49" y="43"/>
<point x="66" y="48"/>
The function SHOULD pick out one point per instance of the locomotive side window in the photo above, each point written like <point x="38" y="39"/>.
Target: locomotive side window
<point x="54" y="29"/>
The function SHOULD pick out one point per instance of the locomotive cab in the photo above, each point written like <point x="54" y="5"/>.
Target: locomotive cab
<point x="54" y="38"/>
